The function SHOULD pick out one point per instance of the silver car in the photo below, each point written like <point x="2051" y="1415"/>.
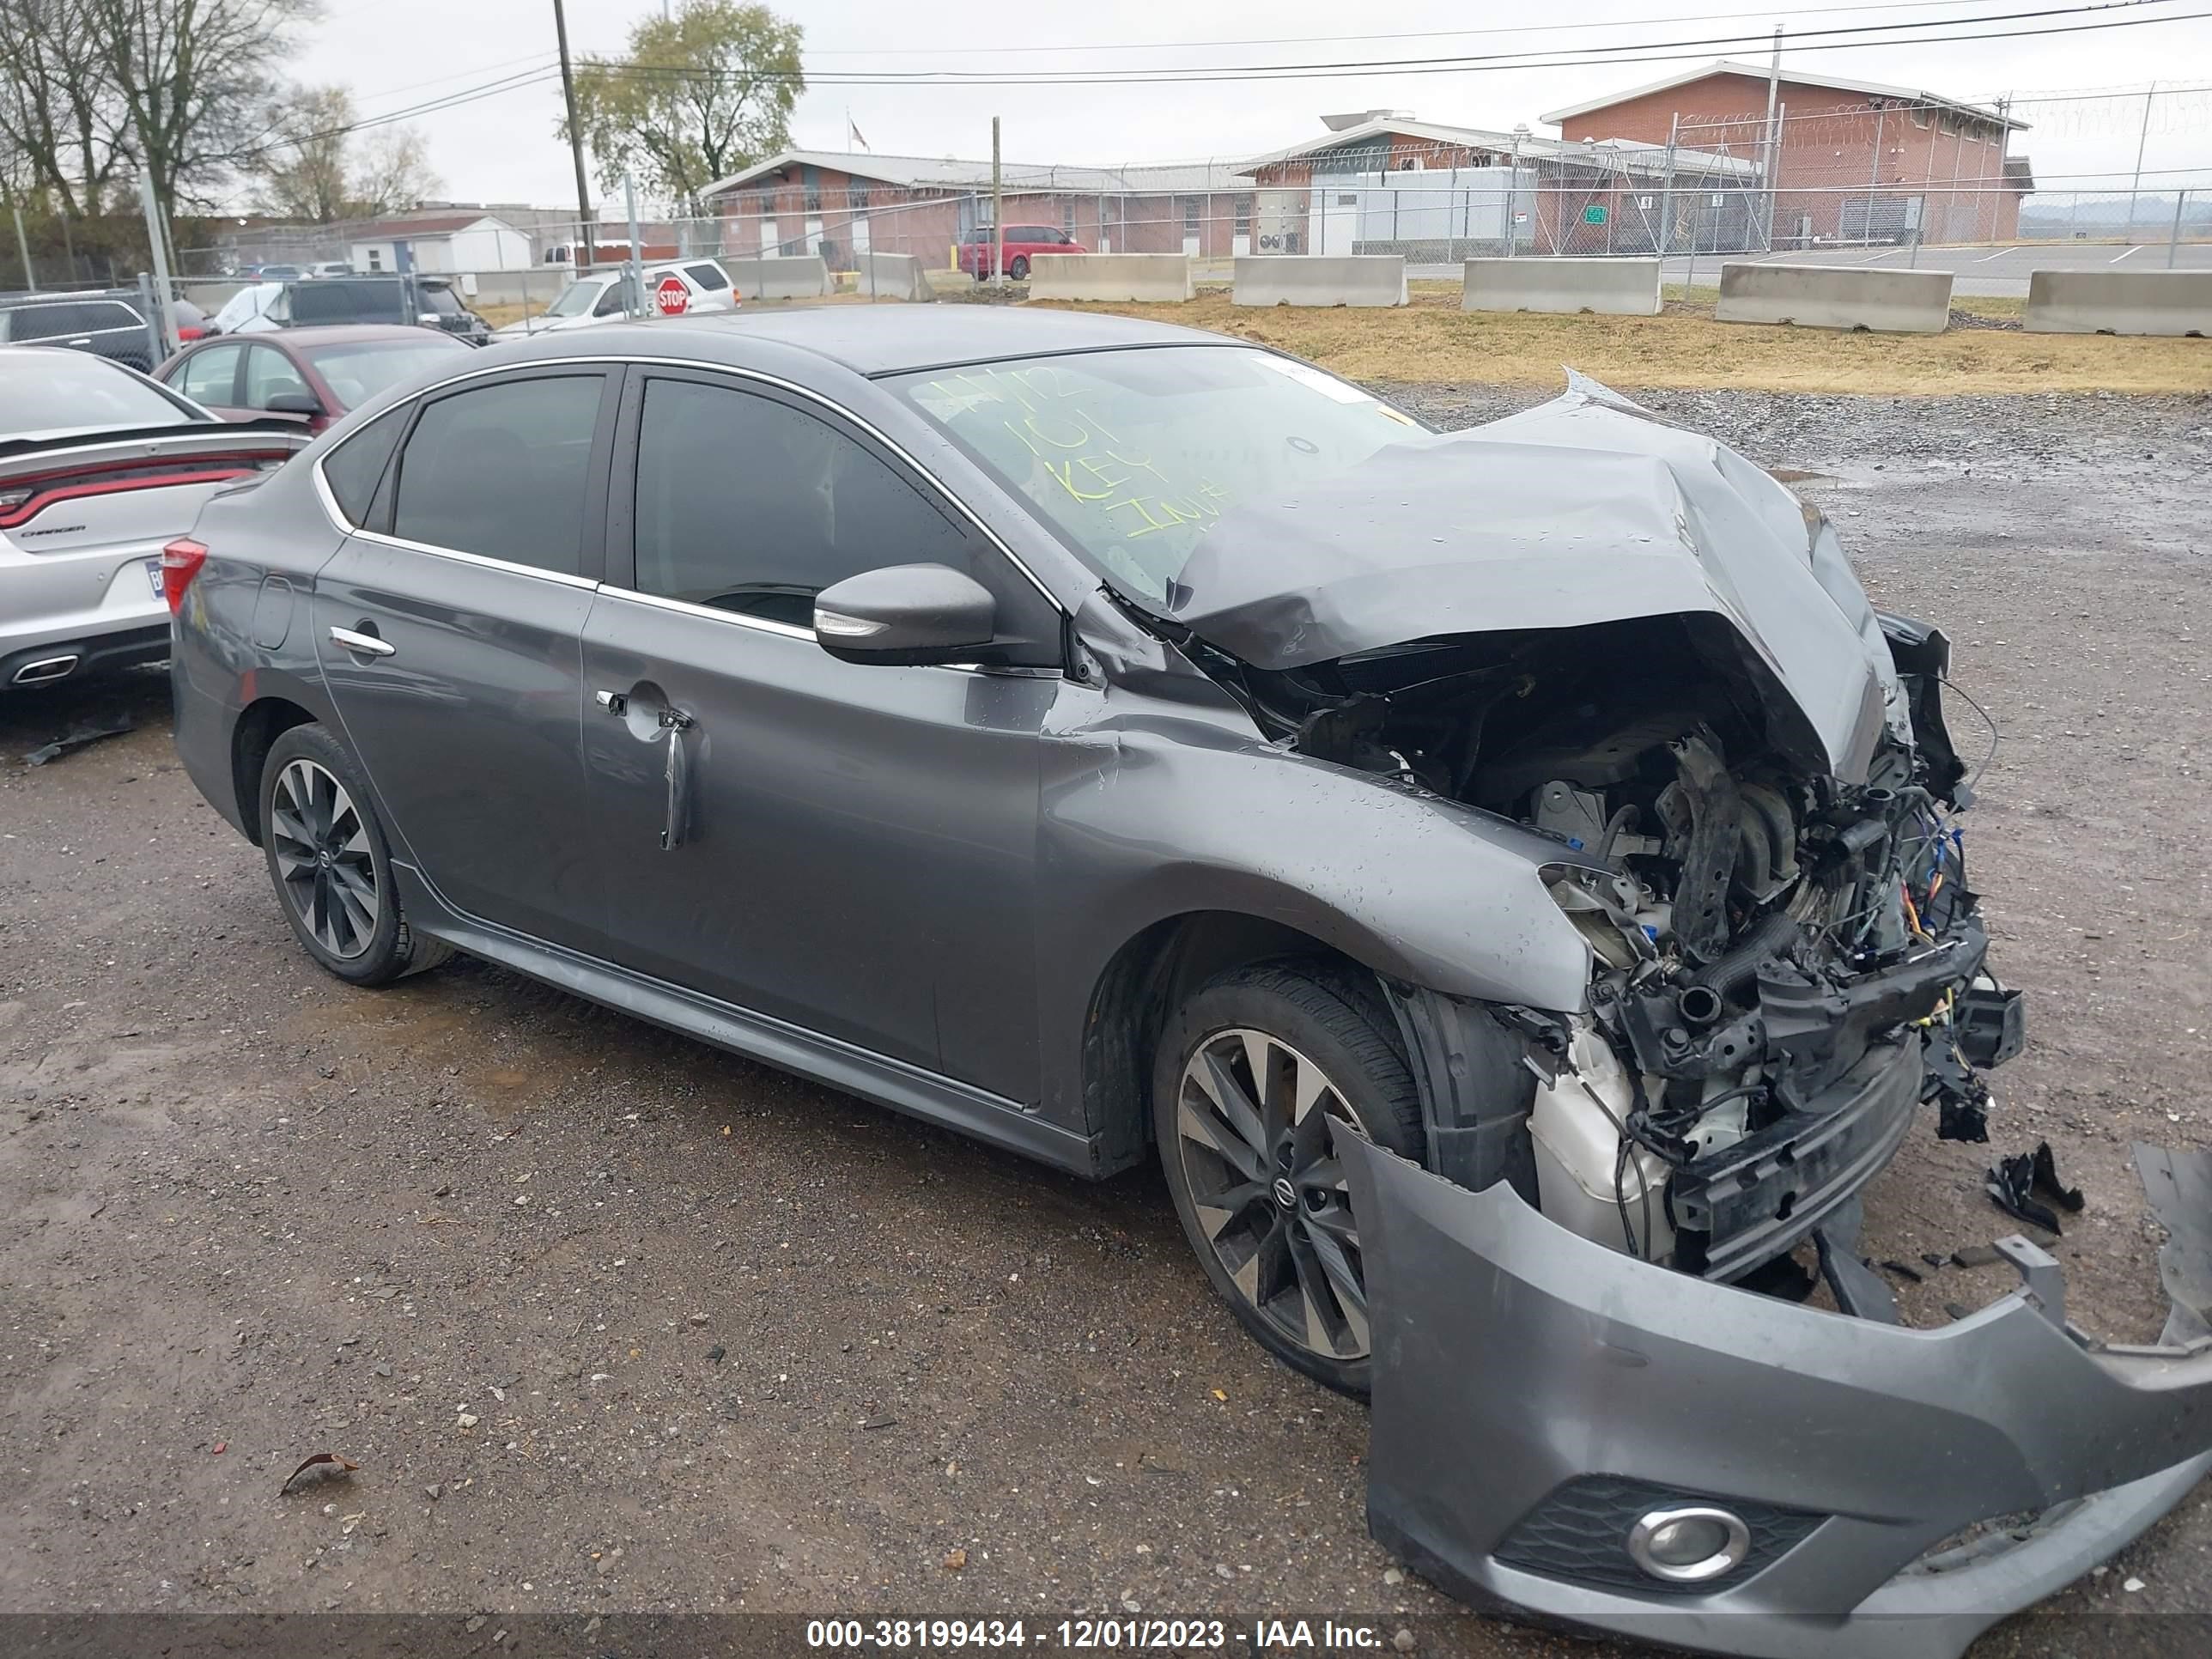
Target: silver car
<point x="99" y="468"/>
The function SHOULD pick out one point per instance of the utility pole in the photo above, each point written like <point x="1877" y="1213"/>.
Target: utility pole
<point x="157" y="242"/>
<point x="998" y="219"/>
<point x="1766" y="162"/>
<point x="587" y="233"/>
<point x="2135" y="193"/>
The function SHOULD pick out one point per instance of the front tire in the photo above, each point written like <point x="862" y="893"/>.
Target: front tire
<point x="1018" y="268"/>
<point x="1255" y="1078"/>
<point x="331" y="865"/>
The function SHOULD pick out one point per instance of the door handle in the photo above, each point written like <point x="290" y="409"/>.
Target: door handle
<point x="367" y="645"/>
<point x="676" y="723"/>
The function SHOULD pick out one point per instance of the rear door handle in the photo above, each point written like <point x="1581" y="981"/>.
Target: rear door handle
<point x="367" y="645"/>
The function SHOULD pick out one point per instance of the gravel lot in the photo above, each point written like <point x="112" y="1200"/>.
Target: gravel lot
<point x="615" y="1323"/>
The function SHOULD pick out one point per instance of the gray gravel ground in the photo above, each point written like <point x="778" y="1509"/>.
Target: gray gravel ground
<point x="613" y="1321"/>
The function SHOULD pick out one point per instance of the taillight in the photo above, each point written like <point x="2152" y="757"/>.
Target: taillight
<point x="180" y="562"/>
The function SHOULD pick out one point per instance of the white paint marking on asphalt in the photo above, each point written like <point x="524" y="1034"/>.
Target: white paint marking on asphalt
<point x="1999" y="254"/>
<point x="2117" y="257"/>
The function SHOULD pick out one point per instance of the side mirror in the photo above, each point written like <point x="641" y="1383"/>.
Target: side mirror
<point x="295" y="403"/>
<point x="904" y="614"/>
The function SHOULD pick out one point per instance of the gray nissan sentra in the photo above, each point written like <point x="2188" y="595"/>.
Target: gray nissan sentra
<point x="1512" y="880"/>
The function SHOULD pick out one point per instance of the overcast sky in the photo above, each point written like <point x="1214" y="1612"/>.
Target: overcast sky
<point x="503" y="148"/>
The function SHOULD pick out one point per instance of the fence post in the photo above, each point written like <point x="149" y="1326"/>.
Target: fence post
<point x="1512" y="198"/>
<point x="2173" y="237"/>
<point x="636" y="264"/>
<point x="998" y="215"/>
<point x="153" y="331"/>
<point x="1666" y="190"/>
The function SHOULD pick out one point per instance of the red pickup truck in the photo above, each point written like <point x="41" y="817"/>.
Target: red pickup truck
<point x="1023" y="243"/>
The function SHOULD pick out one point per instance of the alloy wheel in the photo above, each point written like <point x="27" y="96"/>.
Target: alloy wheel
<point x="1255" y="1122"/>
<point x="321" y="844"/>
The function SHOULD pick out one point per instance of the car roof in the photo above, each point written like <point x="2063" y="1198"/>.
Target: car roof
<point x="891" y="339"/>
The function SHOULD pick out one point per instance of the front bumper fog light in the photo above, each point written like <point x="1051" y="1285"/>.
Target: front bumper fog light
<point x="1688" y="1545"/>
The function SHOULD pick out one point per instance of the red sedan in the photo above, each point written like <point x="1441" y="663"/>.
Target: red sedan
<point x="317" y="373"/>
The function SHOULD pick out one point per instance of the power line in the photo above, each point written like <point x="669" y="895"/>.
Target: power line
<point x="1641" y="52"/>
<point x="1401" y="34"/>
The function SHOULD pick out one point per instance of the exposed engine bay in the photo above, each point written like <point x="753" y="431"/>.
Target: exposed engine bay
<point x="1784" y="966"/>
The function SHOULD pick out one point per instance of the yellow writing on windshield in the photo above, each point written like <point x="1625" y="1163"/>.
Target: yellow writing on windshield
<point x="1038" y="408"/>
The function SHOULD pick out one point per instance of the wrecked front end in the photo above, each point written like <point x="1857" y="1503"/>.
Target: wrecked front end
<point x="1597" y="1397"/>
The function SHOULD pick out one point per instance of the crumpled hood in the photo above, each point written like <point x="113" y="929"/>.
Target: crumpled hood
<point x="1586" y="510"/>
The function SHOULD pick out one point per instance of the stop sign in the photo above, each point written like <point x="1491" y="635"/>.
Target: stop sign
<point x="672" y="296"/>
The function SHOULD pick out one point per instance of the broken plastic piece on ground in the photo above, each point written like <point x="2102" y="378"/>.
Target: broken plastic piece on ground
<point x="2015" y="1182"/>
<point x="79" y="736"/>
<point x="2047" y="1182"/>
<point x="328" y="1465"/>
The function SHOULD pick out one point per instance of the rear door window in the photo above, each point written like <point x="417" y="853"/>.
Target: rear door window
<point x="269" y="373"/>
<point x="210" y="377"/>
<point x="503" y="472"/>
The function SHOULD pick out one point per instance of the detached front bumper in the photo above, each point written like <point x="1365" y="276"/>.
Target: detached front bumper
<point x="1535" y="1394"/>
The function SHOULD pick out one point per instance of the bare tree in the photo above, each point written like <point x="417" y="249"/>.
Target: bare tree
<point x="318" y="169"/>
<point x="63" y="123"/>
<point x="392" y="170"/>
<point x="195" y="79"/>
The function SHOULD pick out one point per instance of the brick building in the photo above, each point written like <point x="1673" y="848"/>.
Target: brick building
<point x="839" y="203"/>
<point x="1856" y="160"/>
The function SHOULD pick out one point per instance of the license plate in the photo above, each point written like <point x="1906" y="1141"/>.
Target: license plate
<point x="154" y="575"/>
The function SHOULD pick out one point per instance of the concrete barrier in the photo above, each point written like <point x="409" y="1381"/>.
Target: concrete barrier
<point x="803" y="276"/>
<point x="2119" y="303"/>
<point x="1612" y="288"/>
<point x="1110" y="276"/>
<point x="1321" y="279"/>
<point x="892" y="277"/>
<point x="1837" y="296"/>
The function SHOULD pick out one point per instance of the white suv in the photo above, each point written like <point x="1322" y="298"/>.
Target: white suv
<point x="605" y="297"/>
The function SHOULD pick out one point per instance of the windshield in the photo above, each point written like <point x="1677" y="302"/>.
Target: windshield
<point x="1133" y="456"/>
<point x="357" y="372"/>
<point x="576" y="299"/>
<point x="70" y="391"/>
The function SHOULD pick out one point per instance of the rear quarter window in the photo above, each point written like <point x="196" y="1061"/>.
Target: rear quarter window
<point x="709" y="278"/>
<point x="356" y="467"/>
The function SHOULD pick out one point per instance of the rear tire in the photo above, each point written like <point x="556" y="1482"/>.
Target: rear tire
<point x="1251" y="1160"/>
<point x="1018" y="268"/>
<point x="330" y="863"/>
